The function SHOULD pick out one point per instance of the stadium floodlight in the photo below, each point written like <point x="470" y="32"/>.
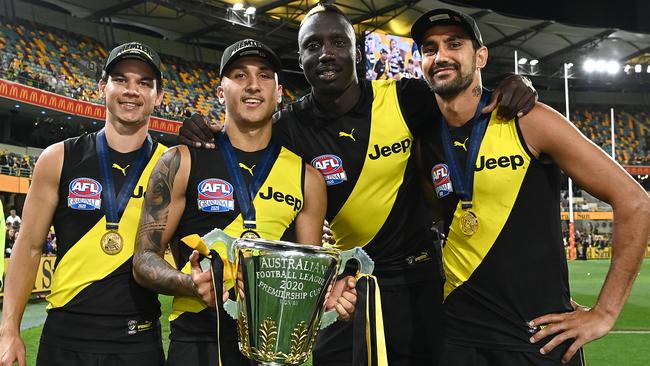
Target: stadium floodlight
<point x="522" y="61"/>
<point x="613" y="67"/>
<point x="638" y="68"/>
<point x="648" y="70"/>
<point x="601" y="65"/>
<point x="589" y="65"/>
<point x="533" y="62"/>
<point x="627" y="68"/>
<point x="239" y="14"/>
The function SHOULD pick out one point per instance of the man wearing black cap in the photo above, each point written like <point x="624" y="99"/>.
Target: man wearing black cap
<point x="288" y="205"/>
<point x="498" y="183"/>
<point x="381" y="69"/>
<point x="91" y="188"/>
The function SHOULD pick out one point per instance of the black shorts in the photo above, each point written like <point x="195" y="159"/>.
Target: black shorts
<point x="51" y="355"/>
<point x="456" y="355"/>
<point x="204" y="353"/>
<point x="412" y="323"/>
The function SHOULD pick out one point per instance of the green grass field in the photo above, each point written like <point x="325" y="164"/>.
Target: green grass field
<point x="627" y="345"/>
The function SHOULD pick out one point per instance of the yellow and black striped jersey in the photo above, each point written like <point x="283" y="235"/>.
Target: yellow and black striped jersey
<point x="94" y="296"/>
<point x="513" y="269"/>
<point x="211" y="202"/>
<point x="374" y="196"/>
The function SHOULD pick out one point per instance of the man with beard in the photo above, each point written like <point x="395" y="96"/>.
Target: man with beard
<point x="359" y="134"/>
<point x="502" y="211"/>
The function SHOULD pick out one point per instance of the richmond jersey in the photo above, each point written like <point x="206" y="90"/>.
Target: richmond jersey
<point x="374" y="196"/>
<point x="513" y="269"/>
<point x="211" y="202"/>
<point x="94" y="296"/>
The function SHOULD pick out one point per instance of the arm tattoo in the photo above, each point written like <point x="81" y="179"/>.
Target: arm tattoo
<point x="149" y="266"/>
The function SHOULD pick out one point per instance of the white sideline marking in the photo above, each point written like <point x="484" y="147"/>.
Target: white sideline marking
<point x="630" y="332"/>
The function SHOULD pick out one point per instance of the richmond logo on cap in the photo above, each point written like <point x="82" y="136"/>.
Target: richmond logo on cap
<point x="245" y="44"/>
<point x="135" y="47"/>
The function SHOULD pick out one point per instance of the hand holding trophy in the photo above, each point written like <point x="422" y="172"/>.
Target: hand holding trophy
<point x="282" y="289"/>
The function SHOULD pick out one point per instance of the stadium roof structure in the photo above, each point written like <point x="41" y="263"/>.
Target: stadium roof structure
<point x="210" y="23"/>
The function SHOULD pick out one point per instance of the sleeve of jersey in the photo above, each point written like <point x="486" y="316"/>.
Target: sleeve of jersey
<point x="418" y="104"/>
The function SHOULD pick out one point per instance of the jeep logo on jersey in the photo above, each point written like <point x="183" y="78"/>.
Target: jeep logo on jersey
<point x="512" y="161"/>
<point x="85" y="194"/>
<point x="331" y="167"/>
<point x="281" y="197"/>
<point x="215" y="195"/>
<point x="397" y="147"/>
<point x="441" y="181"/>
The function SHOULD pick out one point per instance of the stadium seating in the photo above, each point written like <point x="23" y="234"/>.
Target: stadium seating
<point x="44" y="55"/>
<point x="631" y="131"/>
<point x="69" y="64"/>
<point x="16" y="164"/>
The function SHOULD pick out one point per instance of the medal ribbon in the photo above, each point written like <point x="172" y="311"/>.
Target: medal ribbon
<point x="115" y="206"/>
<point x="464" y="183"/>
<point x="245" y="200"/>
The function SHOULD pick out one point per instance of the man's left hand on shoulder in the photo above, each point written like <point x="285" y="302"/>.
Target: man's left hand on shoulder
<point x="515" y="96"/>
<point x="583" y="325"/>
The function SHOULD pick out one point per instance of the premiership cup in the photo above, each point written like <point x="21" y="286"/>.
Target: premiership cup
<point x="281" y="292"/>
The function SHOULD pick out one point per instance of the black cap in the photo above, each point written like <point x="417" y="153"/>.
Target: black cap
<point x="133" y="50"/>
<point x="249" y="47"/>
<point x="445" y="17"/>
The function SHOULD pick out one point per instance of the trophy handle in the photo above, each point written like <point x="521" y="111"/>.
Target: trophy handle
<point x="366" y="266"/>
<point x="218" y="236"/>
<point x="231" y="308"/>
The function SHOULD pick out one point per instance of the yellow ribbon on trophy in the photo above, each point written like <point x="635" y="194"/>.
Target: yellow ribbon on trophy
<point x="374" y="322"/>
<point x="195" y="242"/>
<point x="221" y="269"/>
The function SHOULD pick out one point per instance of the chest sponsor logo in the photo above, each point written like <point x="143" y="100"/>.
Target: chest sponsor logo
<point x="278" y="196"/>
<point x="387" y="150"/>
<point x="331" y="167"/>
<point x="85" y="194"/>
<point x="215" y="195"/>
<point x="512" y="161"/>
<point x="441" y="180"/>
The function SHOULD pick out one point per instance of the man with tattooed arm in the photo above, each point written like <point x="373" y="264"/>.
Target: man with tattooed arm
<point x="196" y="190"/>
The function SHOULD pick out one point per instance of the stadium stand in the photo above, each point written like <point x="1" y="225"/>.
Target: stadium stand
<point x="15" y="164"/>
<point x="631" y="132"/>
<point x="70" y="64"/>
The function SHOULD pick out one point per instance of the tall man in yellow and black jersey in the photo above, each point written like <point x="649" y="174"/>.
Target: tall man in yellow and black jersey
<point x="507" y="299"/>
<point x="359" y="134"/>
<point x="91" y="188"/>
<point x="196" y="190"/>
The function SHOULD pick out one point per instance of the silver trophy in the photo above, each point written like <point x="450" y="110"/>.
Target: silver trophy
<point x="281" y="292"/>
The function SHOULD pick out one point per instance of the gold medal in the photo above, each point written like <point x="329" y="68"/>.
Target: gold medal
<point x="468" y="223"/>
<point x="250" y="234"/>
<point x="111" y="242"/>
